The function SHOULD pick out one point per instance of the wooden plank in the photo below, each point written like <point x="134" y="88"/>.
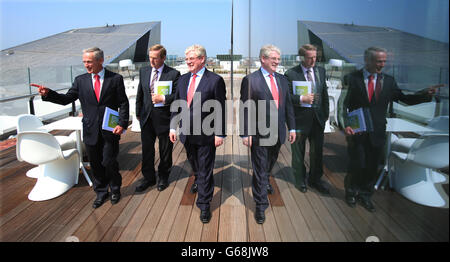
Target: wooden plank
<point x="275" y="198"/>
<point x="22" y="224"/>
<point x="295" y="214"/>
<point x="232" y="225"/>
<point x="152" y="220"/>
<point x="179" y="228"/>
<point x="255" y="231"/>
<point x="195" y="226"/>
<point x="166" y="222"/>
<point x="131" y="230"/>
<point x="188" y="198"/>
<point x="210" y="230"/>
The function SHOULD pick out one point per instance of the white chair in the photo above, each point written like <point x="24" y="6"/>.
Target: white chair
<point x="135" y="125"/>
<point x="414" y="164"/>
<point x="59" y="169"/>
<point x="28" y="122"/>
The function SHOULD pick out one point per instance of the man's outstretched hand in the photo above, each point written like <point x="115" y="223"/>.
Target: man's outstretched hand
<point x="43" y="91"/>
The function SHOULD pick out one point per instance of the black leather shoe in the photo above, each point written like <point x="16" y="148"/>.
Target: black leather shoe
<point x="115" y="197"/>
<point x="194" y="188"/>
<point x="205" y="216"/>
<point x="98" y="202"/>
<point x="260" y="217"/>
<point x="366" y="203"/>
<point x="162" y="185"/>
<point x="144" y="185"/>
<point x="350" y="200"/>
<point x="302" y="187"/>
<point x="319" y="186"/>
<point x="269" y="189"/>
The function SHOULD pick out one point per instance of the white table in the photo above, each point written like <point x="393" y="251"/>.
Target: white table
<point x="71" y="123"/>
<point x="398" y="125"/>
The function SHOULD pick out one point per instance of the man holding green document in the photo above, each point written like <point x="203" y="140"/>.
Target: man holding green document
<point x="311" y="107"/>
<point x="156" y="91"/>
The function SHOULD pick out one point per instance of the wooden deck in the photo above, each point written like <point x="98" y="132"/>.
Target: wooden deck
<point x="172" y="216"/>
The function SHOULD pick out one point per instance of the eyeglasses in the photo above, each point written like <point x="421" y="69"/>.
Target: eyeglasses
<point x="274" y="59"/>
<point x="189" y="59"/>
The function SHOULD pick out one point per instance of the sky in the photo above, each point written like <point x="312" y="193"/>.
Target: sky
<point x="208" y="22"/>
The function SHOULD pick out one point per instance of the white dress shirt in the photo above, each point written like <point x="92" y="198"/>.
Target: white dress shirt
<point x="199" y="74"/>
<point x="102" y="78"/>
<point x="159" y="76"/>
<point x="305" y="74"/>
<point x="366" y="80"/>
<point x="267" y="78"/>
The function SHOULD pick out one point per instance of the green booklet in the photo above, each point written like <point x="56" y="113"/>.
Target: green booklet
<point x="163" y="88"/>
<point x="110" y="119"/>
<point x="301" y="88"/>
<point x="360" y="120"/>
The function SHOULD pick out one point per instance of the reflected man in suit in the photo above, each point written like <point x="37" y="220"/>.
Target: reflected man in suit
<point x="196" y="88"/>
<point x="97" y="89"/>
<point x="370" y="88"/>
<point x="271" y="88"/>
<point x="155" y="120"/>
<point x="311" y="113"/>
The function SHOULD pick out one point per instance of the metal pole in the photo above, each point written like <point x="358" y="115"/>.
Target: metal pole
<point x="30" y="100"/>
<point x="249" y="71"/>
<point x="232" y="60"/>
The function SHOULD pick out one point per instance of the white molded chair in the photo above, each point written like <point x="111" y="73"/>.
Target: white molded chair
<point x="135" y="125"/>
<point x="414" y="164"/>
<point x="58" y="169"/>
<point x="28" y="122"/>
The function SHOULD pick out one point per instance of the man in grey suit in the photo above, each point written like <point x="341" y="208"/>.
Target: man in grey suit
<point x="311" y="113"/>
<point x="155" y="120"/>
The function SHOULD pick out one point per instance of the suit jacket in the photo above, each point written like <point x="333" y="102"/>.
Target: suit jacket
<point x="211" y="87"/>
<point x="159" y="116"/>
<point x="304" y="115"/>
<point x="357" y="97"/>
<point x="260" y="91"/>
<point x="112" y="95"/>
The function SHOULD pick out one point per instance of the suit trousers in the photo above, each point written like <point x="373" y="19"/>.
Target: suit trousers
<point x="148" y="138"/>
<point x="315" y="137"/>
<point x="263" y="160"/>
<point x="363" y="168"/>
<point x="201" y="158"/>
<point x="104" y="165"/>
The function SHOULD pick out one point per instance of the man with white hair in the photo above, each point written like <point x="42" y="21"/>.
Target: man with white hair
<point x="198" y="87"/>
<point x="270" y="88"/>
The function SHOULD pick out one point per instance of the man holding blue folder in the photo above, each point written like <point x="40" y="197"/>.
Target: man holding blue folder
<point x="96" y="90"/>
<point x="372" y="90"/>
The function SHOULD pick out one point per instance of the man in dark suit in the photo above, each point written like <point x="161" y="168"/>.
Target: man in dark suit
<point x="268" y="91"/>
<point x="96" y="90"/>
<point x="200" y="88"/>
<point x="373" y="90"/>
<point x="311" y="113"/>
<point x="155" y="120"/>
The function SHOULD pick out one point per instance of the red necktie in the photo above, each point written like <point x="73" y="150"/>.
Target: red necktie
<point x="191" y="90"/>
<point x="273" y="88"/>
<point x="97" y="87"/>
<point x="370" y="87"/>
